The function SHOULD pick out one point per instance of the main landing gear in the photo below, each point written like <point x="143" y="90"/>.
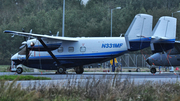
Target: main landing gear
<point x="79" y="70"/>
<point x="61" y="70"/>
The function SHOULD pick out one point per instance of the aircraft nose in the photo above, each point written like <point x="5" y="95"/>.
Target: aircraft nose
<point x="14" y="57"/>
<point x="148" y="61"/>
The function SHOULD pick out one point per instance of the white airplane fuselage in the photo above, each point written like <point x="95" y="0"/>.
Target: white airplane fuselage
<point x="72" y="54"/>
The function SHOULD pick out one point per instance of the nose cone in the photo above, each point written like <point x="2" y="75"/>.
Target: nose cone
<point x="14" y="57"/>
<point x="148" y="61"/>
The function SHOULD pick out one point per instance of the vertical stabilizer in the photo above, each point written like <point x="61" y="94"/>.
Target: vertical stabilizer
<point x="138" y="35"/>
<point x="164" y="34"/>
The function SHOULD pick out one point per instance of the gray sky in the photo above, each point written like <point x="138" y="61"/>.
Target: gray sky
<point x="85" y="1"/>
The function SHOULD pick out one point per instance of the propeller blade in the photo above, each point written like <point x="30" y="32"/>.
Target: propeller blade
<point x="27" y="54"/>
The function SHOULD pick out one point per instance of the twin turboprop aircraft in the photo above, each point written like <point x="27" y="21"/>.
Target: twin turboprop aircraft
<point x="164" y="45"/>
<point x="61" y="53"/>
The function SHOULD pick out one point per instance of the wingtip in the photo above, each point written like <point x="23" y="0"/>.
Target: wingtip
<point x="7" y="31"/>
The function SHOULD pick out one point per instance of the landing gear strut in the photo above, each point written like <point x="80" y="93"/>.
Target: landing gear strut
<point x="79" y="70"/>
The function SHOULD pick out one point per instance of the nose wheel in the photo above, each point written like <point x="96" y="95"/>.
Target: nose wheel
<point x="153" y="70"/>
<point x="19" y="70"/>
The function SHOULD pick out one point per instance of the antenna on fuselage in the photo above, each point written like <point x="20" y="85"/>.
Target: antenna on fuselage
<point x="23" y="30"/>
<point x="57" y="33"/>
<point x="12" y="36"/>
<point x="50" y="33"/>
<point x="30" y="31"/>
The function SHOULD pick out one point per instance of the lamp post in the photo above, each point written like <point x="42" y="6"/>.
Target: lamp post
<point x="175" y="12"/>
<point x="111" y="17"/>
<point x="63" y="18"/>
<point x="113" y="66"/>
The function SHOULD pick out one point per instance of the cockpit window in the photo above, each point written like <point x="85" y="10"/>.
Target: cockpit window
<point x="22" y="51"/>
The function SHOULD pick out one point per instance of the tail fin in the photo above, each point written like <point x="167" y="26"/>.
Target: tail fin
<point x="164" y="34"/>
<point x="138" y="35"/>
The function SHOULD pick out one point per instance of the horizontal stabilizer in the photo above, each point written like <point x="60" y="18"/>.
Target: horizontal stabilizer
<point x="164" y="34"/>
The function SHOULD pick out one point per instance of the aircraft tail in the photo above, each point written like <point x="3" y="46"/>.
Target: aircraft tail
<point x="138" y="35"/>
<point x="164" y="34"/>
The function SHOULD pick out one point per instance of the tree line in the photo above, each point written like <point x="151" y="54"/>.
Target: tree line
<point x="90" y="20"/>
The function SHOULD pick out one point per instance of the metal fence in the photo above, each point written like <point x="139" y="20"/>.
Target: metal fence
<point x="130" y="60"/>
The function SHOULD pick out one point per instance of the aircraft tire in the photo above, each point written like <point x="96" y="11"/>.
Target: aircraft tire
<point x="61" y="70"/>
<point x="79" y="70"/>
<point x="19" y="70"/>
<point x="153" y="70"/>
<point x="138" y="70"/>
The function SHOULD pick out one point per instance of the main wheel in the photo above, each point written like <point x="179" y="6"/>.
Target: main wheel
<point x="153" y="70"/>
<point x="138" y="70"/>
<point x="19" y="70"/>
<point x="79" y="70"/>
<point x="61" y="70"/>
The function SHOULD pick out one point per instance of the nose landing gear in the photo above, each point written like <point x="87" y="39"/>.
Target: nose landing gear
<point x="19" y="70"/>
<point x="153" y="70"/>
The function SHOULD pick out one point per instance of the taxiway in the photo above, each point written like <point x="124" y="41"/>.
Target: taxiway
<point x="72" y="78"/>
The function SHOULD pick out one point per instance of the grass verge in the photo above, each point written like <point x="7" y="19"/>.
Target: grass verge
<point x="103" y="89"/>
<point x="22" y="77"/>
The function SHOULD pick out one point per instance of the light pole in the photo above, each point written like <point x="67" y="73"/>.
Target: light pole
<point x="175" y="12"/>
<point x="111" y="17"/>
<point x="63" y="18"/>
<point x="113" y="66"/>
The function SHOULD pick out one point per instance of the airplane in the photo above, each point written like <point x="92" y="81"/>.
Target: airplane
<point x="164" y="45"/>
<point x="62" y="53"/>
<point x="166" y="59"/>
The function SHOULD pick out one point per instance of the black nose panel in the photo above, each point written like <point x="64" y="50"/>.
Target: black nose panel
<point x="147" y="60"/>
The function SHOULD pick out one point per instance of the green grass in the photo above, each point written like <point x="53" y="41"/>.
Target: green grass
<point x="22" y="77"/>
<point x="4" y="68"/>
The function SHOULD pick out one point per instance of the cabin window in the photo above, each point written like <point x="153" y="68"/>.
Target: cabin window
<point x="82" y="49"/>
<point x="71" y="49"/>
<point x="60" y="49"/>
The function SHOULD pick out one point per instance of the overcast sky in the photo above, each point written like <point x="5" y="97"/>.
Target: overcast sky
<point x="85" y="1"/>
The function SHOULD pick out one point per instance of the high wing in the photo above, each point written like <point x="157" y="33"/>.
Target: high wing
<point x="39" y="36"/>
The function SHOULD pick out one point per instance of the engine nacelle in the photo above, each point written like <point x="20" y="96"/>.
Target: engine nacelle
<point x="35" y="45"/>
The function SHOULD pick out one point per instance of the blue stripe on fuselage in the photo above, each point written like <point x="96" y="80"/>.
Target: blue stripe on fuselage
<point x="76" y="56"/>
<point x="68" y="61"/>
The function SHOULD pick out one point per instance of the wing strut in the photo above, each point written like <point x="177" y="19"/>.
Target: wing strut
<point x="52" y="55"/>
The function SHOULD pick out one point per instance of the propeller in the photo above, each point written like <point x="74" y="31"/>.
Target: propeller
<point x="27" y="51"/>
